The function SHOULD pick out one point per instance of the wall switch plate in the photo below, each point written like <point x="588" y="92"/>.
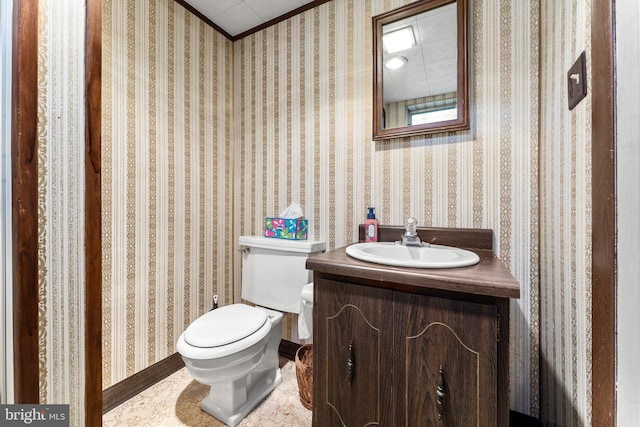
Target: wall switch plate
<point x="577" y="81"/>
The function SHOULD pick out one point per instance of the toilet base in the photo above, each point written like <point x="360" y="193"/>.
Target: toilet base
<point x="258" y="392"/>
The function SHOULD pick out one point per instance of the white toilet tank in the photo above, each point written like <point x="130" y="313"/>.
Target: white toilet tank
<point x="274" y="271"/>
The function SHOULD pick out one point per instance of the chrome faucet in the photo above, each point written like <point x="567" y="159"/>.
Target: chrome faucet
<point x="410" y="236"/>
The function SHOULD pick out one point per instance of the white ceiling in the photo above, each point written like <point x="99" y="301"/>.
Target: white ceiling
<point x="436" y="46"/>
<point x="237" y="16"/>
<point x="435" y="33"/>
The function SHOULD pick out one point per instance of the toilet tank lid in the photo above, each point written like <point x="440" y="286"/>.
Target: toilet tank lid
<point x="303" y="246"/>
<point x="225" y="325"/>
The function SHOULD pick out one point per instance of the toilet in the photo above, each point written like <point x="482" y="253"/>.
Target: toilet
<point x="234" y="348"/>
<point x="305" y="318"/>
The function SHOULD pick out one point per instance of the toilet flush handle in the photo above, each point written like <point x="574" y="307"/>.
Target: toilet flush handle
<point x="245" y="251"/>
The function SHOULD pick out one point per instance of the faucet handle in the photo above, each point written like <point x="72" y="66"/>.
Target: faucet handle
<point x="410" y="225"/>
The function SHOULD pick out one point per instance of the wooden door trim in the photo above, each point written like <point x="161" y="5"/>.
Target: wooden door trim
<point x="93" y="214"/>
<point x="603" y="214"/>
<point x="24" y="200"/>
<point x="24" y="182"/>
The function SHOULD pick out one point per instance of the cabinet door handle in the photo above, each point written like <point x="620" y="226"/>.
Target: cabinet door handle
<point x="440" y="393"/>
<point x="351" y="363"/>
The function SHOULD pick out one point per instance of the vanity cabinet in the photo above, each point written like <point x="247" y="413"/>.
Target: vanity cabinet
<point x="408" y="347"/>
<point x="446" y="362"/>
<point x="352" y="359"/>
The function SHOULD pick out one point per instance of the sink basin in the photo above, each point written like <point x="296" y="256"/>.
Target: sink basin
<point x="395" y="254"/>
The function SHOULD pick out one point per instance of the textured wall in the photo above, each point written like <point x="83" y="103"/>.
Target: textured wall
<point x="61" y="203"/>
<point x="303" y="134"/>
<point x="167" y="178"/>
<point x="565" y="219"/>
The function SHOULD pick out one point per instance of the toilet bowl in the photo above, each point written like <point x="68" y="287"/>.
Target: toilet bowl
<point x="234" y="349"/>
<point x="238" y="358"/>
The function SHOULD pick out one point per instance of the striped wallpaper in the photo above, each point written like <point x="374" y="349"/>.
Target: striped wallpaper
<point x="167" y="179"/>
<point x="565" y="219"/>
<point x="303" y="102"/>
<point x="203" y="138"/>
<point x="61" y="204"/>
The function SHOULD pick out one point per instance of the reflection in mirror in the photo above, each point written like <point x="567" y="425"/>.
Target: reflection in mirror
<point x="415" y="91"/>
<point x="420" y="69"/>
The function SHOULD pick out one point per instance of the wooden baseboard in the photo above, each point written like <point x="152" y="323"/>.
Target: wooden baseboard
<point x="135" y="384"/>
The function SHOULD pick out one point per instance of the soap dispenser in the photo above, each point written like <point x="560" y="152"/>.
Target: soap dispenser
<point x="371" y="227"/>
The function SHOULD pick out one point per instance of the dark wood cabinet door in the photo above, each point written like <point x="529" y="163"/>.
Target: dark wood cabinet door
<point x="352" y="355"/>
<point x="445" y="362"/>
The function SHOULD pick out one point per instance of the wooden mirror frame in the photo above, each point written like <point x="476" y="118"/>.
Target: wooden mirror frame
<point x="462" y="121"/>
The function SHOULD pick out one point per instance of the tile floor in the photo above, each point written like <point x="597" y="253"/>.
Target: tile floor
<point x="175" y="401"/>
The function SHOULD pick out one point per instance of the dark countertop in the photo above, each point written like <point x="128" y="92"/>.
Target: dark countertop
<point x="487" y="278"/>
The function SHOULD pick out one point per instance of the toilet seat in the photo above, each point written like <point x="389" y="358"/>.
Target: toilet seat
<point x="224" y="331"/>
<point x="225" y="325"/>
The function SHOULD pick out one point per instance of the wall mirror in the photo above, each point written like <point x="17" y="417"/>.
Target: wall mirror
<point x="420" y="69"/>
